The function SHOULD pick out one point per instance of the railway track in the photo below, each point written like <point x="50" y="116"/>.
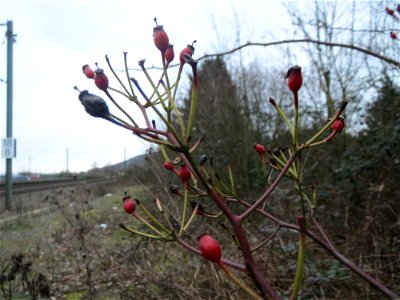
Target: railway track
<point x="26" y="187"/>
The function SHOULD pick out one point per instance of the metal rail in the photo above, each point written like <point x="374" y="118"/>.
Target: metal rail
<point x="26" y="187"/>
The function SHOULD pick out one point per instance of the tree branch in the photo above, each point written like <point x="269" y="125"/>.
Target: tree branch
<point x="366" y="51"/>
<point x="294" y="41"/>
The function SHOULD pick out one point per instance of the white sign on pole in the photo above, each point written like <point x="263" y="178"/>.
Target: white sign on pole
<point x="8" y="148"/>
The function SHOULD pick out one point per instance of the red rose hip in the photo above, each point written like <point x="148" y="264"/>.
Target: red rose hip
<point x="184" y="173"/>
<point x="189" y="50"/>
<point x="294" y="78"/>
<point x="338" y="125"/>
<point x="101" y="79"/>
<point x="260" y="149"/>
<point x="167" y="165"/>
<point x="129" y="205"/>
<point x="89" y="73"/>
<point x="160" y="37"/>
<point x="209" y="248"/>
<point x="169" y="54"/>
<point x="389" y="11"/>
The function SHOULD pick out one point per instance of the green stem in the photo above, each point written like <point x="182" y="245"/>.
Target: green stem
<point x="298" y="281"/>
<point x="122" y="121"/>
<point x="232" y="179"/>
<point x="282" y="163"/>
<point x="185" y="204"/>
<point x="158" y="84"/>
<point x="169" y="125"/>
<point x="149" y="225"/>
<point x="296" y="120"/>
<point x="116" y="76"/>
<point x="325" y="128"/>
<point x="178" y="78"/>
<point x="151" y="217"/>
<point x="327" y="139"/>
<point x="191" y="218"/>
<point x="238" y="282"/>
<point x="128" y="77"/>
<point x="299" y="189"/>
<point x="164" y="153"/>
<point x="147" y="235"/>
<point x="119" y="107"/>
<point x="193" y="104"/>
<point x="119" y="92"/>
<point x="155" y="89"/>
<point x="160" y="142"/>
<point x="171" y="107"/>
<point x="283" y="115"/>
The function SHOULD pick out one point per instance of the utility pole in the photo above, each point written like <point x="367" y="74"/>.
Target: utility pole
<point x="9" y="144"/>
<point x="67" y="158"/>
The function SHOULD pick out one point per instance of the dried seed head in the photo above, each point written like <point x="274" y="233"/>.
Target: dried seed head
<point x="203" y="159"/>
<point x="94" y="105"/>
<point x="173" y="189"/>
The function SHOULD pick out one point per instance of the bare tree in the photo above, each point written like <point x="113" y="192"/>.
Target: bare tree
<point x="344" y="73"/>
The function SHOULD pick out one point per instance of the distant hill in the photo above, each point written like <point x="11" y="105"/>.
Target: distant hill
<point x="139" y="161"/>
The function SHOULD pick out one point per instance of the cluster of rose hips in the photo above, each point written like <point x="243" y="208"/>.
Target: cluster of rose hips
<point x="295" y="82"/>
<point x="209" y="246"/>
<point x="183" y="172"/>
<point x="99" y="77"/>
<point x="97" y="107"/>
<point x="161" y="41"/>
<point x="184" y="167"/>
<point x="391" y="12"/>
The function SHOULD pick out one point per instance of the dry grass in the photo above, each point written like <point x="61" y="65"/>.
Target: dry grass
<point x="84" y="254"/>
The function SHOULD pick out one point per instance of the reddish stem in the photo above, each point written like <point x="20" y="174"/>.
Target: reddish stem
<point x="230" y="263"/>
<point x="263" y="284"/>
<point x="271" y="188"/>
<point x="296" y="99"/>
<point x="251" y="265"/>
<point x="330" y="249"/>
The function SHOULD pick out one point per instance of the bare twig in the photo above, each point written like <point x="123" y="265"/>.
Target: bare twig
<point x="361" y="49"/>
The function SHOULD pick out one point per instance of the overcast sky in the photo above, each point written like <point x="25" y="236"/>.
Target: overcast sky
<point x="55" y="38"/>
